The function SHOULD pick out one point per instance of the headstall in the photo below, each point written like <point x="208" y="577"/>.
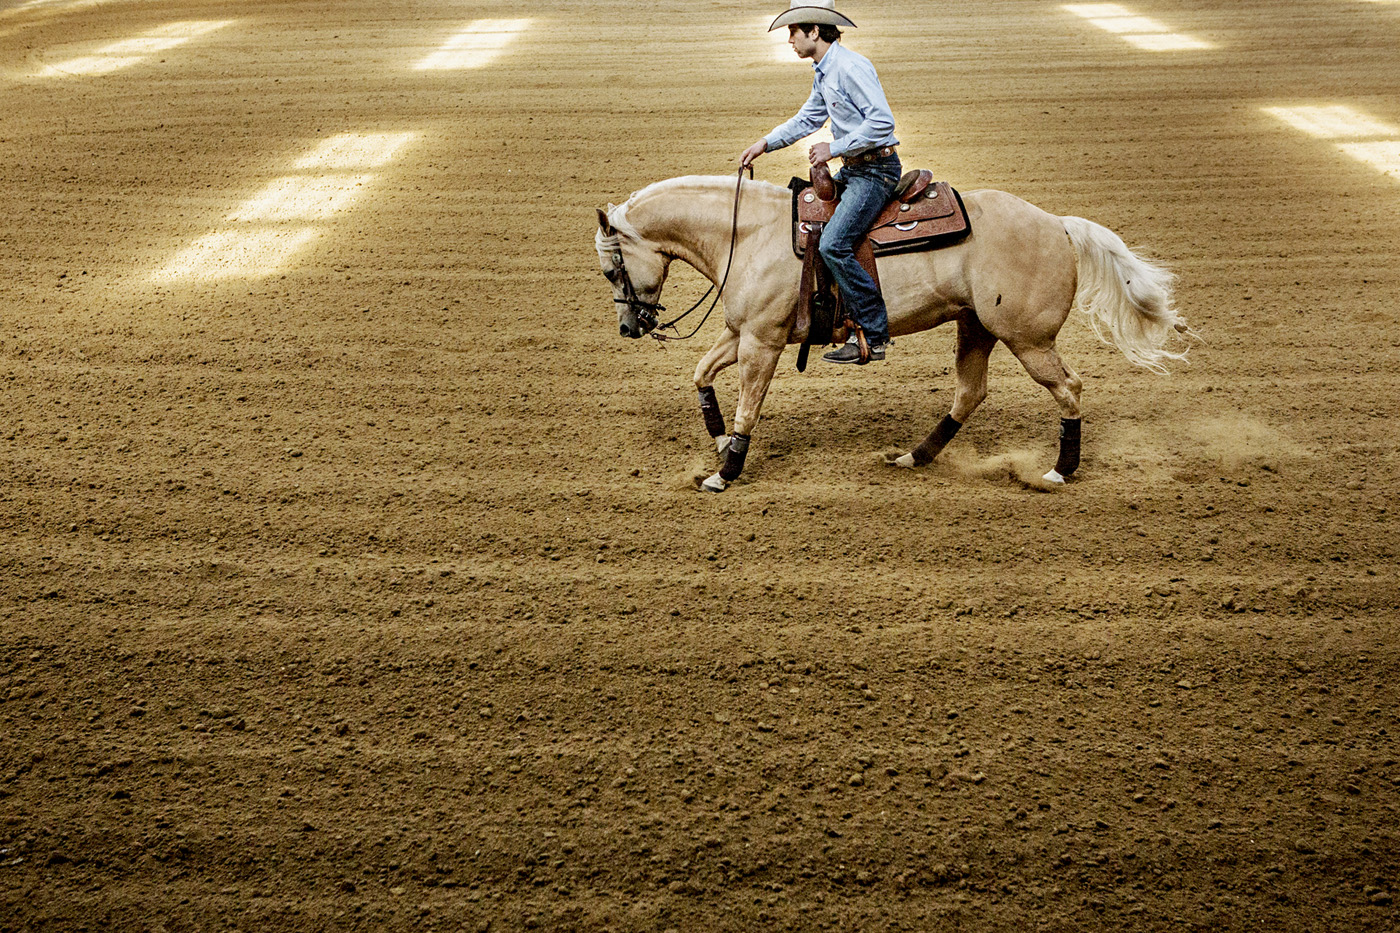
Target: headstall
<point x="647" y="311"/>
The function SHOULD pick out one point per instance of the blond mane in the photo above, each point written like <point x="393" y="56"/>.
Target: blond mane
<point x="617" y="213"/>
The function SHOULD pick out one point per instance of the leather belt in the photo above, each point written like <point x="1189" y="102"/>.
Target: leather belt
<point x="869" y="155"/>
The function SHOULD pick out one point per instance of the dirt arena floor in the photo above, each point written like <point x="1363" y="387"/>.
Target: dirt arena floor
<point x="351" y="572"/>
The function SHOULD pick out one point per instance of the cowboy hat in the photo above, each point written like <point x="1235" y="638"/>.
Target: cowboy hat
<point x="811" y="11"/>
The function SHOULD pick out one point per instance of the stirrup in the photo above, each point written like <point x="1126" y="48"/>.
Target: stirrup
<point x="863" y="345"/>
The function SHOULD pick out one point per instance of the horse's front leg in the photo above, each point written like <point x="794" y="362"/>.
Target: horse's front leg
<point x="757" y="361"/>
<point x="724" y="353"/>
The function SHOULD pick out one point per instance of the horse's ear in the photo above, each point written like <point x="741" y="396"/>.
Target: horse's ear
<point x="603" y="223"/>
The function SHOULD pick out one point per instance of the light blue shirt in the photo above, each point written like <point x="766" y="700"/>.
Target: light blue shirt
<point x="847" y="91"/>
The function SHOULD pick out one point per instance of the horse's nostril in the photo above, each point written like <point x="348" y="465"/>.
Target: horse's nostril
<point x="622" y="329"/>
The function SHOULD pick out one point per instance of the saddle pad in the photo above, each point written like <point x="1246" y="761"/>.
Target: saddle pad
<point x="935" y="218"/>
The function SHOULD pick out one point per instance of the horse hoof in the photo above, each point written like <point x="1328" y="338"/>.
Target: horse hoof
<point x="715" y="483"/>
<point x="906" y="461"/>
<point x="722" y="444"/>
<point x="1054" y="477"/>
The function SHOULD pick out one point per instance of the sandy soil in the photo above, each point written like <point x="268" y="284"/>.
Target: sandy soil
<point x="371" y="592"/>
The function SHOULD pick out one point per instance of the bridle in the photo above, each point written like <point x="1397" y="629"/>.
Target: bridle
<point x="648" y="312"/>
<point x="645" y="311"/>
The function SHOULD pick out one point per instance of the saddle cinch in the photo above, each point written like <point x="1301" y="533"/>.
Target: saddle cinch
<point x="923" y="214"/>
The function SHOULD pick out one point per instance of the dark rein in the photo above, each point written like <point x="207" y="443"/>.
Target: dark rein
<point x="646" y="311"/>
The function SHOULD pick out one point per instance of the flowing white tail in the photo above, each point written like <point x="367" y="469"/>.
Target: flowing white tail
<point x="1127" y="298"/>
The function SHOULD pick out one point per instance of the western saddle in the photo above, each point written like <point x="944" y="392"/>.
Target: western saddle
<point x="923" y="214"/>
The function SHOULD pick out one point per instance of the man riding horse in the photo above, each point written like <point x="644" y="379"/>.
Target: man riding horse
<point x="846" y="91"/>
<point x="1012" y="280"/>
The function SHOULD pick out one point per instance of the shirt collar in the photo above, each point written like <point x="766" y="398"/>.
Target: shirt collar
<point x="821" y="67"/>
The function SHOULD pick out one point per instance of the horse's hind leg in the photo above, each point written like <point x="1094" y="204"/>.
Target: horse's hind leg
<point x="1046" y="368"/>
<point x="975" y="345"/>
<point x="722" y="354"/>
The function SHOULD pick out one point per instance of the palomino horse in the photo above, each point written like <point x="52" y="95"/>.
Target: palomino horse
<point x="1014" y="279"/>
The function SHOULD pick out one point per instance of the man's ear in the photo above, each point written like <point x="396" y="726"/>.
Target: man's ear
<point x="603" y="223"/>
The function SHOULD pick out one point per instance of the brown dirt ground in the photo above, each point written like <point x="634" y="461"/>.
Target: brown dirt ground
<point x="373" y="595"/>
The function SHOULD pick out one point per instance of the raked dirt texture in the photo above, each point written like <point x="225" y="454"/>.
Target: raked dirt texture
<point x="352" y="571"/>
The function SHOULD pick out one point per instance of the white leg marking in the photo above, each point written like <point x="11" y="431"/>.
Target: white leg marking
<point x="1054" y="477"/>
<point x="715" y="483"/>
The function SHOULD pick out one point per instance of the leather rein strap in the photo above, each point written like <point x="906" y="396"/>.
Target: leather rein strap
<point x="647" y="309"/>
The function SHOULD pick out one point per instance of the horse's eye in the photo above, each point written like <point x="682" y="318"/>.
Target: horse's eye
<point x="610" y="275"/>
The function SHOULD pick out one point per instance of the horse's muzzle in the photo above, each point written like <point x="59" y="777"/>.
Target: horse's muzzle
<point x="636" y="321"/>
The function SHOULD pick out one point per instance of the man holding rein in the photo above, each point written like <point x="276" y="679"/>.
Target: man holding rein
<point x="846" y="91"/>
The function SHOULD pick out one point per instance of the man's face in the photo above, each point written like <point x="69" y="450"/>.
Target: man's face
<point x="803" y="43"/>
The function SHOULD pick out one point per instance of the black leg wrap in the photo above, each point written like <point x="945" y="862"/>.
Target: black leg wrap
<point x="1069" y="447"/>
<point x="734" y="458"/>
<point x="933" y="444"/>
<point x="709" y="407"/>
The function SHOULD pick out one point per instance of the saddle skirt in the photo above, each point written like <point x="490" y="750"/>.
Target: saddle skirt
<point x="924" y="214"/>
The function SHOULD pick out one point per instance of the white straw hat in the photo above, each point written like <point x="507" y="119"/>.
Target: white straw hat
<point x="811" y="11"/>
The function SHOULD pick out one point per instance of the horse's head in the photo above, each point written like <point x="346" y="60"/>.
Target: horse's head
<point x="636" y="271"/>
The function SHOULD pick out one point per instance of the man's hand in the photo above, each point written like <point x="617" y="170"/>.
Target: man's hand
<point x="753" y="152"/>
<point x="819" y="153"/>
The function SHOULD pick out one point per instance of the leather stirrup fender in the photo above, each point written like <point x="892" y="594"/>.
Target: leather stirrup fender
<point x="865" y="255"/>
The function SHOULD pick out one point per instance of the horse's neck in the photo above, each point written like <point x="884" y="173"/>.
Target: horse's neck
<point x="692" y="218"/>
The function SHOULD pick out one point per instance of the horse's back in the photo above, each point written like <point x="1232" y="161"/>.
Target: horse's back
<point x="1006" y="211"/>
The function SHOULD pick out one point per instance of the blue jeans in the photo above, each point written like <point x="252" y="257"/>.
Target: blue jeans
<point x="865" y="190"/>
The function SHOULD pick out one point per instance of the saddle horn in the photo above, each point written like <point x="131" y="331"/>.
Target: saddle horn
<point x="822" y="182"/>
